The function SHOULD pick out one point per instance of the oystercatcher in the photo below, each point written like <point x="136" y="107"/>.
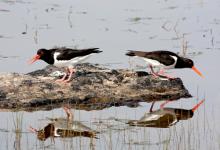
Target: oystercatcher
<point x="64" y="128"/>
<point x="164" y="60"/>
<point x="64" y="57"/>
<point x="165" y="116"/>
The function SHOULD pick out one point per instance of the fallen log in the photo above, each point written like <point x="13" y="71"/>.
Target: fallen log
<point x="92" y="87"/>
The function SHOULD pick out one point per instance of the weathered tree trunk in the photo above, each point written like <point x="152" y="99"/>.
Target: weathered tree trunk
<point x="92" y="87"/>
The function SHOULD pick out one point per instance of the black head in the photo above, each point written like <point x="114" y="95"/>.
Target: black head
<point x="46" y="132"/>
<point x="183" y="114"/>
<point x="188" y="63"/>
<point x="43" y="54"/>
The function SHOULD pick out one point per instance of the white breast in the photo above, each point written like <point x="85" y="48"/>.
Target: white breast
<point x="156" y="63"/>
<point x="173" y="65"/>
<point x="152" y="117"/>
<point x="55" y="132"/>
<point x="68" y="63"/>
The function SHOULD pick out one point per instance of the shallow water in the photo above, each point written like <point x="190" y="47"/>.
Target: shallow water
<point x="114" y="27"/>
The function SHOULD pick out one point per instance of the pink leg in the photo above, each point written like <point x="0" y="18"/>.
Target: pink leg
<point x="163" y="104"/>
<point x="162" y="74"/>
<point x="161" y="71"/>
<point x="151" y="108"/>
<point x="33" y="130"/>
<point x="152" y="71"/>
<point x="68" y="113"/>
<point x="64" y="76"/>
<point x="71" y="71"/>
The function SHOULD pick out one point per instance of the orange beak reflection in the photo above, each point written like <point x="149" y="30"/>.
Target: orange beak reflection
<point x="197" y="71"/>
<point x="35" y="58"/>
<point x="197" y="105"/>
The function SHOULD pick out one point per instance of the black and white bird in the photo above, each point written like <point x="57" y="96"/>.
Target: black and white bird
<point x="64" y="57"/>
<point x="165" y="116"/>
<point x="164" y="60"/>
<point x="64" y="128"/>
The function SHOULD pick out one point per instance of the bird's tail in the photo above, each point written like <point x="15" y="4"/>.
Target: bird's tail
<point x="130" y="53"/>
<point x="94" y="50"/>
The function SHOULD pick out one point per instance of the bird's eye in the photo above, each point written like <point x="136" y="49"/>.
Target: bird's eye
<point x="40" y="53"/>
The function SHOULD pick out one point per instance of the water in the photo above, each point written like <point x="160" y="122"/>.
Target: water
<point x="114" y="27"/>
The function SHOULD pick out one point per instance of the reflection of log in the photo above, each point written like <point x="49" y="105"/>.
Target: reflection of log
<point x="92" y="87"/>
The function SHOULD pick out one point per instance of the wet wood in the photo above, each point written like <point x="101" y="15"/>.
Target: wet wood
<point x="92" y="87"/>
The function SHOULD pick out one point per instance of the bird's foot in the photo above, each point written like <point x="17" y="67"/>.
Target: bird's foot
<point x="68" y="113"/>
<point x="164" y="103"/>
<point x="157" y="74"/>
<point x="162" y="77"/>
<point x="162" y="74"/>
<point x="67" y="81"/>
<point x="69" y="73"/>
<point x="154" y="75"/>
<point x="59" y="80"/>
<point x="166" y="76"/>
<point x="63" y="82"/>
<point x="62" y="79"/>
<point x="33" y="130"/>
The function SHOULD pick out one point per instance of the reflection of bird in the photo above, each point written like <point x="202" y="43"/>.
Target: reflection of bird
<point x="64" y="127"/>
<point x="64" y="57"/>
<point x="164" y="117"/>
<point x="164" y="60"/>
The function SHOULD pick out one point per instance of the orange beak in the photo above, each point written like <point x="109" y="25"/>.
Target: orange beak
<point x="197" y="71"/>
<point x="197" y="105"/>
<point x="35" y="58"/>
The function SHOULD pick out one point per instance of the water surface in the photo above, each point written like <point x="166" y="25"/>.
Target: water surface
<point x="116" y="26"/>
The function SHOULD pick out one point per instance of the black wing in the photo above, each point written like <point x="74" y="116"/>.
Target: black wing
<point x="67" y="54"/>
<point x="163" y="57"/>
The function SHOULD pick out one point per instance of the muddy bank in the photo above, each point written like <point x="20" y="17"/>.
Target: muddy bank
<point x="92" y="87"/>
